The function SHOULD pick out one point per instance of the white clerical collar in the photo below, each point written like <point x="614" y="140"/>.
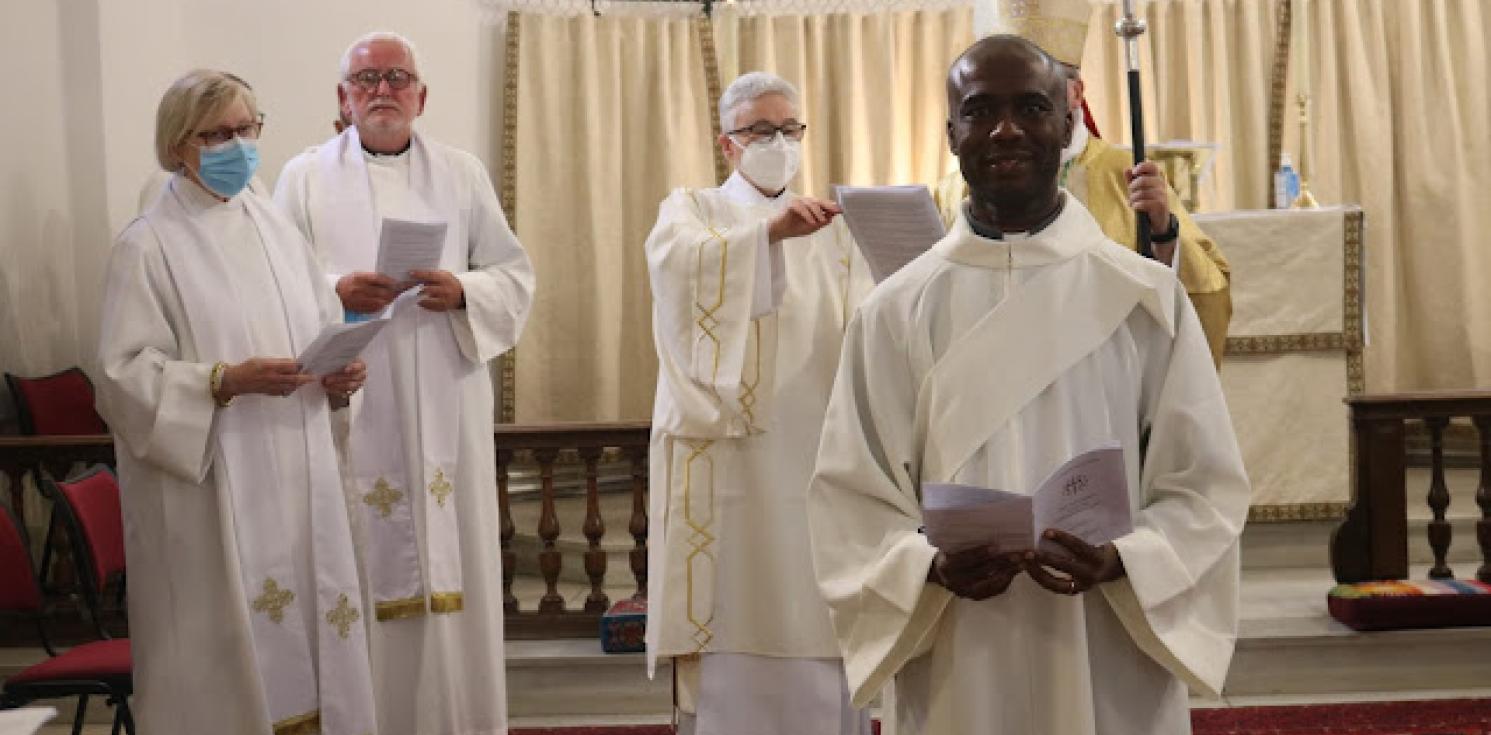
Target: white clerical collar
<point x="1072" y="232"/>
<point x="195" y="198"/>
<point x="744" y="192"/>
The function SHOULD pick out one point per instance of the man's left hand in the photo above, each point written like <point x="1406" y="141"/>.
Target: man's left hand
<point x="442" y="290"/>
<point x="1084" y="565"/>
<point x="1148" y="193"/>
<point x="340" y="385"/>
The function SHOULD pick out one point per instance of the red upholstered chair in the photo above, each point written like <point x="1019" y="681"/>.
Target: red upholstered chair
<point x="88" y="508"/>
<point x="98" y="668"/>
<point x="61" y="403"/>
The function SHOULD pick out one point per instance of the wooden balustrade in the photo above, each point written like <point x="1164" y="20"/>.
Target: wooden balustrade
<point x="531" y="461"/>
<point x="1372" y="542"/>
<point x="552" y="618"/>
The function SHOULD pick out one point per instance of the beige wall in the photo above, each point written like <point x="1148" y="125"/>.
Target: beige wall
<point x="84" y="80"/>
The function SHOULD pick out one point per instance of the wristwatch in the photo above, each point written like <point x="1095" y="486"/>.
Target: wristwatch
<point x="1170" y="233"/>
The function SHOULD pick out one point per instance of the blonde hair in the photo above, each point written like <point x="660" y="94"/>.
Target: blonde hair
<point x="199" y="95"/>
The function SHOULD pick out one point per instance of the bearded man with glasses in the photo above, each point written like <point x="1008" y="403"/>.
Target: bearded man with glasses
<point x="420" y="464"/>
<point x="752" y="287"/>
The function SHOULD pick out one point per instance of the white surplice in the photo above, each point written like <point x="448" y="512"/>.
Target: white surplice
<point x="440" y="673"/>
<point x="748" y="336"/>
<point x="219" y="501"/>
<point x="991" y="363"/>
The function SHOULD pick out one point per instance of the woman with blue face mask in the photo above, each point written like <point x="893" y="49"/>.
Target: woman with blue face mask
<point x="225" y="449"/>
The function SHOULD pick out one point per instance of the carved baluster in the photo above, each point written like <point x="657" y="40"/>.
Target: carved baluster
<point x="506" y="531"/>
<point x="595" y="529"/>
<point x="638" y="524"/>
<point x="1439" y="500"/>
<point x="549" y="562"/>
<point x="1483" y="498"/>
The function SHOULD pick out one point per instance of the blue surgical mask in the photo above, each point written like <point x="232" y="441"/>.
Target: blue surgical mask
<point x="226" y="168"/>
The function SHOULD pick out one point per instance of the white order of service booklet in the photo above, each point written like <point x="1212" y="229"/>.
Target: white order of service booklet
<point x="1088" y="497"/>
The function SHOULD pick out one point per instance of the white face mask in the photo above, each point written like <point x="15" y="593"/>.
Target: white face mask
<point x="770" y="164"/>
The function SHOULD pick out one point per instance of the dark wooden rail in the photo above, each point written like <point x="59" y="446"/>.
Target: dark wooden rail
<point x="1372" y="542"/>
<point x="544" y="445"/>
<point x="530" y="453"/>
<point x="54" y="454"/>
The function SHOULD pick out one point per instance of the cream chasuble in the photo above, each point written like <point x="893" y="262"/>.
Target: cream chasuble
<point x="748" y="336"/>
<point x="421" y="465"/>
<point x="990" y="363"/>
<point x="242" y="580"/>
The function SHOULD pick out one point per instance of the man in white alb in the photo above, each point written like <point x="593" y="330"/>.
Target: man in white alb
<point x="1022" y="339"/>
<point x="420" y="460"/>
<point x="752" y="287"/>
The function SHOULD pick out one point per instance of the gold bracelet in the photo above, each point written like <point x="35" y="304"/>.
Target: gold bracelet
<point x="215" y="384"/>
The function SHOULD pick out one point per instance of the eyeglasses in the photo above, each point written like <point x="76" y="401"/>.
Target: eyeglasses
<point x="761" y="130"/>
<point x="368" y="79"/>
<point x="247" y="131"/>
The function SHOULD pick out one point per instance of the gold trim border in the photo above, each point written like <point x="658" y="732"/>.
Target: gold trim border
<point x="447" y="602"/>
<point x="507" y="364"/>
<point x="1355" y="298"/>
<point x="306" y="724"/>
<point x="1278" y="87"/>
<point x="1274" y="344"/>
<point x="409" y="607"/>
<point x="1293" y="512"/>
<point x="705" y="29"/>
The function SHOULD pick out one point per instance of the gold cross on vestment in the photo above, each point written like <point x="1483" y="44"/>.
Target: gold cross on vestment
<point x="343" y="616"/>
<point x="383" y="497"/>
<point x="440" y="487"/>
<point x="274" y="601"/>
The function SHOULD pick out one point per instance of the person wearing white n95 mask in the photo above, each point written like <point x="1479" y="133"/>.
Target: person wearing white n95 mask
<point x="772" y="159"/>
<point x="752" y="288"/>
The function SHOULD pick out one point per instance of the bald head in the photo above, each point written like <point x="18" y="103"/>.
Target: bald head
<point x="1004" y="52"/>
<point x="1007" y="122"/>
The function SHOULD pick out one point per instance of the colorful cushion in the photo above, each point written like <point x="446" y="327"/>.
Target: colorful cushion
<point x="1394" y="604"/>
<point x="624" y="627"/>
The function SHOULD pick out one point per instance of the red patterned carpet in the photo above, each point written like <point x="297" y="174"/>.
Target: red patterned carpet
<point x="1427" y="717"/>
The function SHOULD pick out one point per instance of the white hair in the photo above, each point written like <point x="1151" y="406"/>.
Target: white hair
<point x="368" y="38"/>
<point x="749" y="87"/>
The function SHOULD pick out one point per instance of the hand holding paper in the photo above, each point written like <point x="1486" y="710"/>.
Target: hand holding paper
<point x="892" y="224"/>
<point x="338" y="345"/>
<point x="1086" y="497"/>
<point x="405" y="246"/>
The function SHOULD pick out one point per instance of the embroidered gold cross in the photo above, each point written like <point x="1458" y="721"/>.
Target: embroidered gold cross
<point x="274" y="601"/>
<point x="383" y="497"/>
<point x="440" y="487"/>
<point x="343" y="616"/>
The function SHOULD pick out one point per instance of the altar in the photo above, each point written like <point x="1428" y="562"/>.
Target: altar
<point x="1294" y="352"/>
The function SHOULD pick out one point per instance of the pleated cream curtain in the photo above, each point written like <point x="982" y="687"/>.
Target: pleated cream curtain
<point x="610" y="113"/>
<point x="1400" y="108"/>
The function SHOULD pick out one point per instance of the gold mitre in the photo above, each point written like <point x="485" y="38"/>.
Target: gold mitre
<point x="1058" y="26"/>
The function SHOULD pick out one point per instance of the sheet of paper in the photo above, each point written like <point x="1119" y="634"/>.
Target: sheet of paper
<point x="1087" y="497"/>
<point x="407" y="246"/>
<point x="26" y="720"/>
<point x="962" y="516"/>
<point x="892" y="224"/>
<point x="337" y="345"/>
